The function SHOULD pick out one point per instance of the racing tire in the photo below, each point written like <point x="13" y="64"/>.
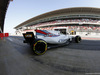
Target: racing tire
<point x="39" y="47"/>
<point x="77" y="39"/>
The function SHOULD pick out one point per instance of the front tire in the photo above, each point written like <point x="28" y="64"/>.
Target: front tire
<point x="39" y="47"/>
<point x="77" y="39"/>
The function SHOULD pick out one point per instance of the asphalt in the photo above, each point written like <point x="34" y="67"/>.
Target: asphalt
<point x="17" y="58"/>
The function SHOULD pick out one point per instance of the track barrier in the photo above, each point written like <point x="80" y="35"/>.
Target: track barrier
<point x="2" y="35"/>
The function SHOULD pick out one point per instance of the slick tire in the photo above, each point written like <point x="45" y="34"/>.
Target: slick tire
<point x="77" y="39"/>
<point x="39" y="47"/>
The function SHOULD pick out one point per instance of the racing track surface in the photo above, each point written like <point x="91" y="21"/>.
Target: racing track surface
<point x="16" y="58"/>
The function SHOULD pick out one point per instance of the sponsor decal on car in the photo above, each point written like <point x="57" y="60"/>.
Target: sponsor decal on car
<point x="28" y="35"/>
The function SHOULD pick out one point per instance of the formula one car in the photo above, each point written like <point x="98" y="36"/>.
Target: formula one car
<point x="44" y="40"/>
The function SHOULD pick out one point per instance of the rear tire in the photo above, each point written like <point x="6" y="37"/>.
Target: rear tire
<point x="39" y="47"/>
<point x="77" y="39"/>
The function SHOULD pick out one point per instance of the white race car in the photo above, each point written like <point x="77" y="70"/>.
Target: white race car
<point x="43" y="39"/>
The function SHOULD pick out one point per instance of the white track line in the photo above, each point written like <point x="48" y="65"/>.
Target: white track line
<point x="10" y="39"/>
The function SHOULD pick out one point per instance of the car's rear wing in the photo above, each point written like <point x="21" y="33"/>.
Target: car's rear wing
<point x="29" y="37"/>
